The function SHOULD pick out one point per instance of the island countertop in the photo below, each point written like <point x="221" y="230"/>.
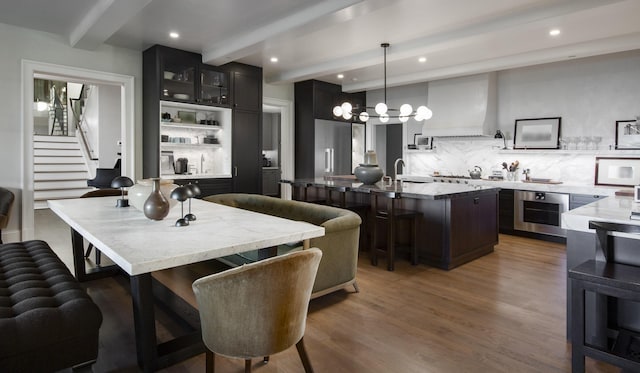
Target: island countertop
<point x="615" y="209"/>
<point x="407" y="189"/>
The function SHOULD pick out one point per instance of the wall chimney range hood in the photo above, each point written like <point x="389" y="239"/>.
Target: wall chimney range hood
<point x="464" y="106"/>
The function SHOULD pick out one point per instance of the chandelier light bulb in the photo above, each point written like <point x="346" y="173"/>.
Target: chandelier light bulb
<point x="406" y="109"/>
<point x="424" y="113"/>
<point x="403" y="118"/>
<point x="381" y="108"/>
<point x="364" y="116"/>
<point x="384" y="118"/>
<point x="347" y="115"/>
<point x="418" y="117"/>
<point x="346" y="108"/>
<point x="337" y="111"/>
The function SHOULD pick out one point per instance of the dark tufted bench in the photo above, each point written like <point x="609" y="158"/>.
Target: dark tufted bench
<point x="47" y="320"/>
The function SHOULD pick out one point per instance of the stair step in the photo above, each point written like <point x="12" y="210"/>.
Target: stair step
<point x="51" y="176"/>
<point x="59" y="184"/>
<point x="55" y="138"/>
<point x="58" y="160"/>
<point x="57" y="153"/>
<point x="59" y="194"/>
<point x="55" y="145"/>
<point x="60" y="167"/>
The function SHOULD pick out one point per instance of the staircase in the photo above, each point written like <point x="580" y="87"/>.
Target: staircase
<point x="60" y="170"/>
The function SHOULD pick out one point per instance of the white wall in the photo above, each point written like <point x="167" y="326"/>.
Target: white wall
<point x="18" y="44"/>
<point x="589" y="94"/>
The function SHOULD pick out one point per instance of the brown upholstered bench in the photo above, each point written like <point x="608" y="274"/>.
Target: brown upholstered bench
<point x="47" y="320"/>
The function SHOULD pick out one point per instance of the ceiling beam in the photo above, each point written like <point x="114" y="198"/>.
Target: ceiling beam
<point x="234" y="48"/>
<point x="435" y="41"/>
<point x="102" y="21"/>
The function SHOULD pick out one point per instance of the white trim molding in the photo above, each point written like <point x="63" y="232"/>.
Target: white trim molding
<point x="31" y="69"/>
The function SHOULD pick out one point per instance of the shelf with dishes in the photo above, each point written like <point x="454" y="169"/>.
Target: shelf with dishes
<point x="194" y="140"/>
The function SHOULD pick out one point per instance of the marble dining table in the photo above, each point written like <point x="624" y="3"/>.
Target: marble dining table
<point x="139" y="246"/>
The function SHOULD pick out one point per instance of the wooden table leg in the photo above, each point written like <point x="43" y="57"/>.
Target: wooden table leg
<point x="144" y="321"/>
<point x="305" y="244"/>
<point x="79" y="264"/>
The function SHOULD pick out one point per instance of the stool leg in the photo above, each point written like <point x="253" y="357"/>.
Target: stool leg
<point x="374" y="239"/>
<point x="391" y="241"/>
<point x="414" y="245"/>
<point x="577" y="327"/>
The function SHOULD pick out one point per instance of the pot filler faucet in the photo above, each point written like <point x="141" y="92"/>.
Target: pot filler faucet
<point x="395" y="168"/>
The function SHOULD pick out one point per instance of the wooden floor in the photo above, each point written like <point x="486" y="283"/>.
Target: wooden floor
<point x="504" y="312"/>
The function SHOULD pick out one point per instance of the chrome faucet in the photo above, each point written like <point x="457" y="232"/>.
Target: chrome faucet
<point x="395" y="168"/>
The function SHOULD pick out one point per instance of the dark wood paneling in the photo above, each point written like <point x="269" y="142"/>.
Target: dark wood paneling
<point x="247" y="153"/>
<point x="209" y="186"/>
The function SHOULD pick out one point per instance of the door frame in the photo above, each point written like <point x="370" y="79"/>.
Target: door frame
<point x="74" y="74"/>
<point x="287" y="142"/>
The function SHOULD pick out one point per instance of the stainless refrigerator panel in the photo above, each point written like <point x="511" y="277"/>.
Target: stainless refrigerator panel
<point x="332" y="148"/>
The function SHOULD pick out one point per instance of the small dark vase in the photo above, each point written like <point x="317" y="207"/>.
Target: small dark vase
<point x="156" y="207"/>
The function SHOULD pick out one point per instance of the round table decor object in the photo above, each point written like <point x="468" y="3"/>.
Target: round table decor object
<point x="156" y="207"/>
<point x="369" y="172"/>
<point x="138" y="193"/>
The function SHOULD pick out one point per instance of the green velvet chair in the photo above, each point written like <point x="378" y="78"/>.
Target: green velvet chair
<point x="257" y="309"/>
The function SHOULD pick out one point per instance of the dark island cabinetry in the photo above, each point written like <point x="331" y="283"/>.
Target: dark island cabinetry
<point x="472" y="227"/>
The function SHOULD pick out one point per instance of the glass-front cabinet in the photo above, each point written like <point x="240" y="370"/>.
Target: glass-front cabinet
<point x="184" y="78"/>
<point x="195" y="141"/>
<point x="214" y="86"/>
<point x="179" y="79"/>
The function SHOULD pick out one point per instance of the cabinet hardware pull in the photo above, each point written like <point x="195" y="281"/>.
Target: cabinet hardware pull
<point x="235" y="170"/>
<point x="476" y="200"/>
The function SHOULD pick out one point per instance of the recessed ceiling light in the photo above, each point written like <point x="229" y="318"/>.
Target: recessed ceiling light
<point x="422" y="59"/>
<point x="274" y="59"/>
<point x="340" y="76"/>
<point x="174" y="35"/>
<point x="554" y="32"/>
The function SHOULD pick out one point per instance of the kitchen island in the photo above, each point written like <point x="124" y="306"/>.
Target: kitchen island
<point x="458" y="223"/>
<point x="581" y="246"/>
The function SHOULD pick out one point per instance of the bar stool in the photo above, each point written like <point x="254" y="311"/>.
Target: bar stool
<point x="608" y="280"/>
<point x="336" y="195"/>
<point x="390" y="214"/>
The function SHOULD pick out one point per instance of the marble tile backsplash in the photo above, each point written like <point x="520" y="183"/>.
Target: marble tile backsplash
<point x="456" y="156"/>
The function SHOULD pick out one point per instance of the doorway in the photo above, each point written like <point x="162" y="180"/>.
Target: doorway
<point x="31" y="70"/>
<point x="388" y="146"/>
<point x="286" y="154"/>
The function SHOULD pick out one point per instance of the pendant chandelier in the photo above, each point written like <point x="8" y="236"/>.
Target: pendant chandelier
<point x="382" y="112"/>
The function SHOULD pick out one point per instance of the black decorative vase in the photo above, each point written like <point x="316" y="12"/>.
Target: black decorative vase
<point x="156" y="207"/>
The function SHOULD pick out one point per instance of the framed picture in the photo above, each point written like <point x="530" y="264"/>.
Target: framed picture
<point x="627" y="134"/>
<point x="617" y="171"/>
<point x="537" y="133"/>
<point x="421" y="142"/>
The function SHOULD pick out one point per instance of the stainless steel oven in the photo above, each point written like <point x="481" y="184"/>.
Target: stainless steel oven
<point x="540" y="212"/>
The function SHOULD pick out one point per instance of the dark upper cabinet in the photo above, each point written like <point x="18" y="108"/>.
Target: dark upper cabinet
<point x="213" y="86"/>
<point x="182" y="77"/>
<point x="247" y="92"/>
